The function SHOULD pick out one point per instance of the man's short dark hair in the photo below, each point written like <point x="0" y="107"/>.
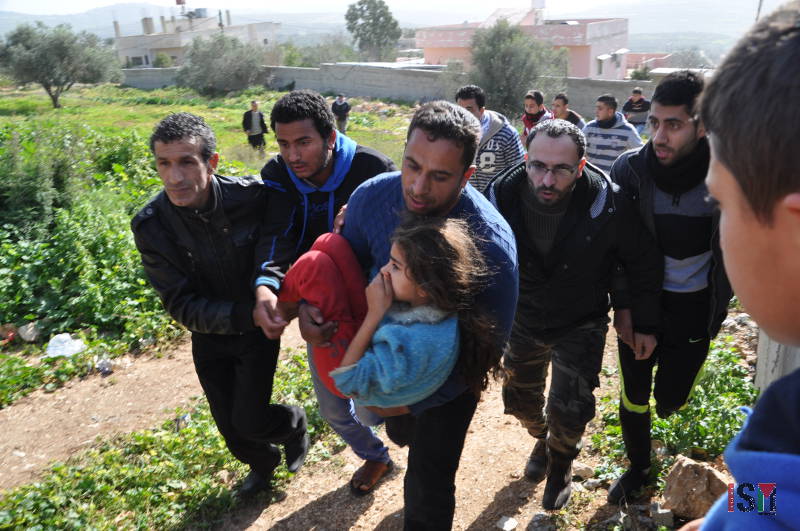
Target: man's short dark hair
<point x="185" y="126"/>
<point x="679" y="88"/>
<point x="536" y="96"/>
<point x="609" y="100"/>
<point x="558" y="128"/>
<point x="758" y="143"/>
<point x="300" y="105"/>
<point x="472" y="92"/>
<point x="563" y="97"/>
<point x="254" y="102"/>
<point x="442" y="119"/>
<point x="637" y="90"/>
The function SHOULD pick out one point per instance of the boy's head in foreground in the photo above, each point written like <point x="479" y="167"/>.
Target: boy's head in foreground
<point x="755" y="172"/>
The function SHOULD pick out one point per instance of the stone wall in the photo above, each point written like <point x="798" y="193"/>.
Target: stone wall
<point x="149" y="78"/>
<point x="391" y="83"/>
<point x="361" y="81"/>
<point x="583" y="93"/>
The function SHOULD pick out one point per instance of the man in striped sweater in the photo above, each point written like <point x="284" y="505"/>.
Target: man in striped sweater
<point x="499" y="147"/>
<point x="610" y="135"/>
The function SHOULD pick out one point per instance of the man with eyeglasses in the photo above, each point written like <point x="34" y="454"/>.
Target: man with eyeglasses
<point x="572" y="226"/>
<point x="665" y="179"/>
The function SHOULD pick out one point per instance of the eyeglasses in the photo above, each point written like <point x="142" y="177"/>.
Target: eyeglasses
<point x="561" y="171"/>
<point x="671" y="125"/>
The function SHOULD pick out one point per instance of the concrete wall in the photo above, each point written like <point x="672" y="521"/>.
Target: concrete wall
<point x="401" y="84"/>
<point x="360" y="80"/>
<point x="149" y="78"/>
<point x="583" y="93"/>
<point x="774" y="360"/>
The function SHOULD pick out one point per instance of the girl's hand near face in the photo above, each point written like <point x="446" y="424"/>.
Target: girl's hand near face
<point x="379" y="295"/>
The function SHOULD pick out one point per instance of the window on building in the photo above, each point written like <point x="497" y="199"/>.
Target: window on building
<point x="146" y="60"/>
<point x="136" y="61"/>
<point x="599" y="67"/>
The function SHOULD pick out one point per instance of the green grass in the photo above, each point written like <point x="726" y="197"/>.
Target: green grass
<point x="170" y="477"/>
<point x="75" y="268"/>
<point x="110" y="109"/>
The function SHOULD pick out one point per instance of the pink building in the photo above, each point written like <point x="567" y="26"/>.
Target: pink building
<point x="597" y="48"/>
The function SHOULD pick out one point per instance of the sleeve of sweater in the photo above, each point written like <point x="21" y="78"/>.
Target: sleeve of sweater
<point x="404" y="363"/>
<point x="277" y="249"/>
<point x="515" y="153"/>
<point x="353" y="227"/>
<point x="643" y="266"/>
<point x="634" y="140"/>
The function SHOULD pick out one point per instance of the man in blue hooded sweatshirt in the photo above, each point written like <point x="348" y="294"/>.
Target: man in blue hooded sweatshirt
<point x="310" y="181"/>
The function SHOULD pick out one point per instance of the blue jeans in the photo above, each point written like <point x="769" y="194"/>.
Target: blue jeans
<point x="351" y="422"/>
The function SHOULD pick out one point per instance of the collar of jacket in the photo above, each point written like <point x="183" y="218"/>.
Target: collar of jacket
<point x="344" y="150"/>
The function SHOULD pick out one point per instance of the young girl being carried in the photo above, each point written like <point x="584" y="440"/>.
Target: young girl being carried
<point x="401" y="340"/>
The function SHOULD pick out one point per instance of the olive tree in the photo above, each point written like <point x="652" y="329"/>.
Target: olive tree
<point x="220" y="64"/>
<point x="56" y="58"/>
<point x="507" y="63"/>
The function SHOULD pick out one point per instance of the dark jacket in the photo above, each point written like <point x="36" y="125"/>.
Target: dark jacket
<point x="341" y="110"/>
<point x="571" y="284"/>
<point x="299" y="213"/>
<point x="203" y="265"/>
<point x="247" y="120"/>
<point x="631" y="173"/>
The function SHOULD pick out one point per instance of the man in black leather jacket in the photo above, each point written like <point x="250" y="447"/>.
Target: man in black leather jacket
<point x="198" y="240"/>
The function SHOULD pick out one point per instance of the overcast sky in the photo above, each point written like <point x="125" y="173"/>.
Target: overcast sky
<point x="51" y="7"/>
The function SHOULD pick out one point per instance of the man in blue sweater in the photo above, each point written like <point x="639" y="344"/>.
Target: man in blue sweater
<point x="753" y="175"/>
<point x="437" y="164"/>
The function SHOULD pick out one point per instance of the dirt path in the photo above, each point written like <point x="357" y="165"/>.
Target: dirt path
<point x="142" y="393"/>
<point x="46" y="427"/>
<point x="489" y="484"/>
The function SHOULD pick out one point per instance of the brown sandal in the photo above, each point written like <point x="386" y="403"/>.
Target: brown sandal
<point x="370" y="473"/>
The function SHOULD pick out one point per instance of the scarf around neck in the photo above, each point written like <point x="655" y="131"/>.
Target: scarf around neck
<point x="682" y="176"/>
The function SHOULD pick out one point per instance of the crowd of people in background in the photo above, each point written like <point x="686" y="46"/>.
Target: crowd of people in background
<point x="504" y="249"/>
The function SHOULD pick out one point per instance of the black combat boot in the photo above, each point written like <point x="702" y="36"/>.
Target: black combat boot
<point x="558" y="488"/>
<point x="536" y="467"/>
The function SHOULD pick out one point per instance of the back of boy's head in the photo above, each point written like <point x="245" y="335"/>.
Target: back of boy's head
<point x="442" y="258"/>
<point x="758" y="142"/>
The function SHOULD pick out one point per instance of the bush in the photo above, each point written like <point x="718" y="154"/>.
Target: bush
<point x="162" y="60"/>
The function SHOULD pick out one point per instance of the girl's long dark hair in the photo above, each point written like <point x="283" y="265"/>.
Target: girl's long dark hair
<point x="441" y="256"/>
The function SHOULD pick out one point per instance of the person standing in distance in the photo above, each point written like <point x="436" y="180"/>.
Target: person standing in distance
<point x="254" y="126"/>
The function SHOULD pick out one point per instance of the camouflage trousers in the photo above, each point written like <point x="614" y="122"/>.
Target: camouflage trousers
<point x="577" y="357"/>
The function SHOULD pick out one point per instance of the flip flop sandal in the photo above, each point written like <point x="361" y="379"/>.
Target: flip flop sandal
<point x="370" y="473"/>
